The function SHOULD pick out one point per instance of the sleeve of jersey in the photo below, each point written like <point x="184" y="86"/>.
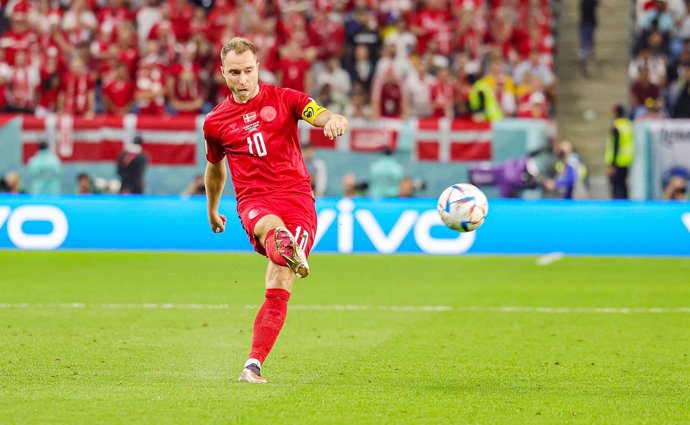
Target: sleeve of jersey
<point x="214" y="149"/>
<point x="306" y="107"/>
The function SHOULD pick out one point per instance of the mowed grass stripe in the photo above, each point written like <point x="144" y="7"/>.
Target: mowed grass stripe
<point x="336" y="307"/>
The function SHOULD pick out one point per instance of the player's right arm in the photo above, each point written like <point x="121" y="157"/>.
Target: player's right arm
<point x="214" y="179"/>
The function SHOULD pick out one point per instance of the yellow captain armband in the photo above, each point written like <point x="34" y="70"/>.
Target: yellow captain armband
<point x="311" y="111"/>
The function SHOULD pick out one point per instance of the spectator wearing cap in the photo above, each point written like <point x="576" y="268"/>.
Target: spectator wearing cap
<point x="20" y="36"/>
<point x="45" y="171"/>
<point x="659" y="17"/>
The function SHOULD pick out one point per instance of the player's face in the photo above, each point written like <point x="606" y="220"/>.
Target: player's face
<point x="241" y="73"/>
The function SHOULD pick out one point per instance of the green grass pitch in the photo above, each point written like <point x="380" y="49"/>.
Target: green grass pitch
<point x="160" y="338"/>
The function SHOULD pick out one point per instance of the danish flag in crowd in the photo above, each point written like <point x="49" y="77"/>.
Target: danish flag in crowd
<point x="167" y="141"/>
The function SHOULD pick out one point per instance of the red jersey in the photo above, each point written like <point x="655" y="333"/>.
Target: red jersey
<point x="260" y="140"/>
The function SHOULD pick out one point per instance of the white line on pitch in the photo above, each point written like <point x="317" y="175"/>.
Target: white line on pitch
<point x="346" y="307"/>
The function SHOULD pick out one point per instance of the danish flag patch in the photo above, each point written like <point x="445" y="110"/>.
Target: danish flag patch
<point x="249" y="117"/>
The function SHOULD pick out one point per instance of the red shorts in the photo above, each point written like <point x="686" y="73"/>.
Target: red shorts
<point x="297" y="212"/>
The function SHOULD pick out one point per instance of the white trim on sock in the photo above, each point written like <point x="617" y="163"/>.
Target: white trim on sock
<point x="253" y="361"/>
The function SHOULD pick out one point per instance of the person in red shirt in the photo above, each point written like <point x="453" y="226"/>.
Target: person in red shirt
<point x="23" y="84"/>
<point x="255" y="131"/>
<point x="389" y="98"/>
<point x="118" y="93"/>
<point x="77" y="96"/>
<point x="184" y="84"/>
<point x="294" y="70"/>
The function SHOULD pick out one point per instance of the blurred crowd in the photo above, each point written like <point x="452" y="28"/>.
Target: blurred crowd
<point x="480" y="59"/>
<point x="660" y="68"/>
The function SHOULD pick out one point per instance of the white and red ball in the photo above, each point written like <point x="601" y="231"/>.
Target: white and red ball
<point x="463" y="207"/>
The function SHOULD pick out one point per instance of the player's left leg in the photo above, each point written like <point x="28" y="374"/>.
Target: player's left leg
<point x="279" y="279"/>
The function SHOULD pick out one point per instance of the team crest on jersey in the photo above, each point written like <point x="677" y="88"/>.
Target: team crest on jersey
<point x="268" y="113"/>
<point x="249" y="117"/>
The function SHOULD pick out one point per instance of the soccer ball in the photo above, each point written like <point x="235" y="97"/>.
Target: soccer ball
<point x="463" y="207"/>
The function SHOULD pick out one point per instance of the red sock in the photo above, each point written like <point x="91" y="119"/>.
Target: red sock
<point x="271" y="251"/>
<point x="269" y="321"/>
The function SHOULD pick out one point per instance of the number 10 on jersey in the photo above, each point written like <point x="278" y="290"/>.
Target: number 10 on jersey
<point x="257" y="146"/>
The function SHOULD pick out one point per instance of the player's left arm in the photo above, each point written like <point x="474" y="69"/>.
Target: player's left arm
<point x="333" y="124"/>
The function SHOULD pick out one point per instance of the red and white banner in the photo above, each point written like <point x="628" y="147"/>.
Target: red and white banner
<point x="167" y="141"/>
<point x="431" y="139"/>
<point x="173" y="141"/>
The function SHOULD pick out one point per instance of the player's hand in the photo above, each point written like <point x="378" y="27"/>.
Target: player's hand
<point x="217" y="222"/>
<point x="335" y="126"/>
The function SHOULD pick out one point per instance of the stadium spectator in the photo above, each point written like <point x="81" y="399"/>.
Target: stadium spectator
<point x="77" y="95"/>
<point x="317" y="170"/>
<point x="149" y="92"/>
<point x="118" y="93"/>
<point x="5" y="76"/>
<point x="336" y="77"/>
<point x="184" y="84"/>
<point x="390" y="59"/>
<point x="443" y="94"/>
<point x="84" y="184"/>
<point x="676" y="189"/>
<point x="45" y="171"/>
<point x="362" y="68"/>
<point x="145" y="18"/>
<point x="654" y="63"/>
<point x="653" y="109"/>
<point x="588" y="25"/>
<point x="641" y="90"/>
<point x="20" y="36"/>
<point x="567" y="172"/>
<point x="483" y="102"/>
<point x="131" y="167"/>
<point x="534" y="107"/>
<point x="50" y="77"/>
<point x="352" y="188"/>
<point x="79" y="24"/>
<point x="196" y="187"/>
<point x="22" y="85"/>
<point x="294" y="70"/>
<point x="358" y="109"/>
<point x="619" y="153"/>
<point x="385" y="174"/>
<point x="389" y="99"/>
<point x="407" y="187"/>
<point x="11" y="183"/>
<point x="418" y="85"/>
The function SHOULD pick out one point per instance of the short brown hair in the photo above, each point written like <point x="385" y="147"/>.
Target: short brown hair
<point x="237" y="45"/>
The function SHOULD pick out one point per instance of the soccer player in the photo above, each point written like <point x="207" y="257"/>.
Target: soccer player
<point x="255" y="128"/>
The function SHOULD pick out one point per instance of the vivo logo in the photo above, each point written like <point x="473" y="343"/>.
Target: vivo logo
<point x="15" y="219"/>
<point x="409" y="221"/>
